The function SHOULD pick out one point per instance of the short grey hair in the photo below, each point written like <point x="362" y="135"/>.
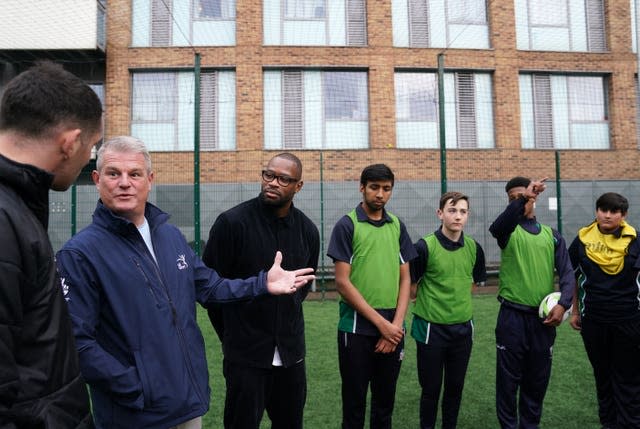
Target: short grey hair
<point x="126" y="144"/>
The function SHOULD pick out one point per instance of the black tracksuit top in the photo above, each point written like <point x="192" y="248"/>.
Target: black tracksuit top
<point x="242" y="241"/>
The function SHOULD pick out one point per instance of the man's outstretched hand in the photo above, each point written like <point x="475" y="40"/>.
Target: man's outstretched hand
<point x="281" y="281"/>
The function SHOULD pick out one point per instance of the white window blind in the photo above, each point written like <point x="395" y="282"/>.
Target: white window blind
<point x="418" y="23"/>
<point x="356" y="23"/>
<point x="161" y="22"/>
<point x="293" y="109"/>
<point x="466" y="110"/>
<point x="542" y="111"/>
<point x="208" y="113"/>
<point x="595" y="25"/>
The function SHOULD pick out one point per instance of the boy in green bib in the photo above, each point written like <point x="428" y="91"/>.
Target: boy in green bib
<point x="530" y="252"/>
<point x="447" y="266"/>
<point x="371" y="251"/>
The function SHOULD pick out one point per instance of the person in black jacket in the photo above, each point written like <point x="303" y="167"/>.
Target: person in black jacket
<point x="606" y="258"/>
<point x="49" y="122"/>
<point x="263" y="339"/>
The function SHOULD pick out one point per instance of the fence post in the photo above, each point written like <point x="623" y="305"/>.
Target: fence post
<point x="558" y="193"/>
<point x="443" y="134"/>
<point x="196" y="157"/>
<point x="322" y="276"/>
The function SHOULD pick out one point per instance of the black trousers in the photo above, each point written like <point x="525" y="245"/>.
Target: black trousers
<point x="448" y="358"/>
<point x="614" y="352"/>
<point x="524" y="348"/>
<point x="361" y="367"/>
<point x="281" y="391"/>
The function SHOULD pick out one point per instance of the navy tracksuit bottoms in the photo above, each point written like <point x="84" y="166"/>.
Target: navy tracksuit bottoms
<point x="524" y="348"/>
<point x="361" y="367"/>
<point x="444" y="358"/>
<point x="614" y="352"/>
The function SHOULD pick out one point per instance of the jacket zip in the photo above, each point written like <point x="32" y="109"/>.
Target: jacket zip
<point x="153" y="294"/>
<point x="174" y="316"/>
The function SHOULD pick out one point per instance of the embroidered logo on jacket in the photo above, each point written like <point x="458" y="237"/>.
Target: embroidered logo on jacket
<point x="65" y="289"/>
<point x="182" y="262"/>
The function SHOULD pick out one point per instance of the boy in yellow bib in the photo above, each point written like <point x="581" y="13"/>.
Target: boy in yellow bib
<point x="605" y="256"/>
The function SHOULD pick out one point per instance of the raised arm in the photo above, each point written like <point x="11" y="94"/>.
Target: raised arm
<point x="211" y="288"/>
<point x="506" y="222"/>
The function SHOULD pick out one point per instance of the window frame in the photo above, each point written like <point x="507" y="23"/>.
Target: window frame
<point x="463" y="108"/>
<point x="563" y="130"/>
<point x="223" y="7"/>
<point x="286" y="17"/>
<point x="419" y="22"/>
<point x="585" y="28"/>
<point x="317" y="130"/>
<point x="170" y="81"/>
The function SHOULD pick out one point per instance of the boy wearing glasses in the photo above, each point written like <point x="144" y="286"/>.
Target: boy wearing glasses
<point x="263" y="339"/>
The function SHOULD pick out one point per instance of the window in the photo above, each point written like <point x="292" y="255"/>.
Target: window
<point x="315" y="22"/>
<point x="560" y="25"/>
<point x="183" y="23"/>
<point x="563" y="111"/>
<point x="98" y="88"/>
<point x="162" y="112"/>
<point x="304" y="9"/>
<point x="344" y="98"/>
<point x="468" y="110"/>
<point x="315" y="109"/>
<point x="440" y="24"/>
<point x="466" y="12"/>
<point x="214" y="9"/>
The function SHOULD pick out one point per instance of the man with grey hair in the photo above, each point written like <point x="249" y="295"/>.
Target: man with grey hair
<point x="132" y="282"/>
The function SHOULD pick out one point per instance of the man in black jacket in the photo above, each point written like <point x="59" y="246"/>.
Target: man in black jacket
<point x="49" y="121"/>
<point x="263" y="339"/>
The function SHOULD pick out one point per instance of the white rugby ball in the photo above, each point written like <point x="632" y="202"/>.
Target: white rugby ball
<point x="550" y="301"/>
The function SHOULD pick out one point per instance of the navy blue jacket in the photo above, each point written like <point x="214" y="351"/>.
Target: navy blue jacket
<point x="140" y="347"/>
<point x="607" y="298"/>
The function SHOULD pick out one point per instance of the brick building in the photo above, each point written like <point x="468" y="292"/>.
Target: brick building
<point x="345" y="83"/>
<point x="347" y="76"/>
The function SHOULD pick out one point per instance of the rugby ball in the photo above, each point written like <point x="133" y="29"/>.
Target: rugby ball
<point x="548" y="302"/>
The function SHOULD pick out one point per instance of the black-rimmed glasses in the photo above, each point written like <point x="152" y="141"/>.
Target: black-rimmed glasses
<point x="268" y="176"/>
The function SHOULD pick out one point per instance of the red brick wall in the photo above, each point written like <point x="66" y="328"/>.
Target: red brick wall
<point x="380" y="59"/>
